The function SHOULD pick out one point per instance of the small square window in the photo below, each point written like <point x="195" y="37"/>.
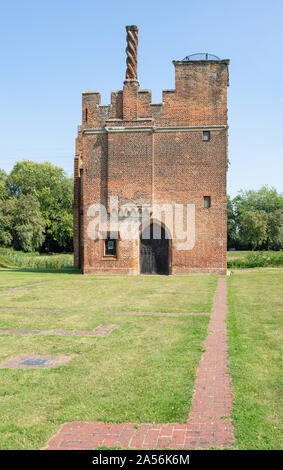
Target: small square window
<point x="206" y="135"/>
<point x="110" y="246"/>
<point x="207" y="202"/>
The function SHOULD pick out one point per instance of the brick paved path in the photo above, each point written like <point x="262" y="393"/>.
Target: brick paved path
<point x="160" y="314"/>
<point x="209" y="424"/>
<point x="209" y="421"/>
<point x="31" y="310"/>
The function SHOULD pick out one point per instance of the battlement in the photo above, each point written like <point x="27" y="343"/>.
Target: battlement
<point x="199" y="98"/>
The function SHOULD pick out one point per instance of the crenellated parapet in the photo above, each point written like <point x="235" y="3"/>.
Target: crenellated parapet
<point x="199" y="98"/>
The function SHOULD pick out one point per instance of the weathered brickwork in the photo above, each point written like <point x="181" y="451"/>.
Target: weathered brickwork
<point x="149" y="154"/>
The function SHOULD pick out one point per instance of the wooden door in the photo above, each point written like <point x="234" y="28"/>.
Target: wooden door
<point x="154" y="253"/>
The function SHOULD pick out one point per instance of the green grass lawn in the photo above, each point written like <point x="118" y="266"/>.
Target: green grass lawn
<point x="144" y="371"/>
<point x="255" y="351"/>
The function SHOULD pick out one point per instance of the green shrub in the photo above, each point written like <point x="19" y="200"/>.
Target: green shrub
<point x="35" y="260"/>
<point x="256" y="259"/>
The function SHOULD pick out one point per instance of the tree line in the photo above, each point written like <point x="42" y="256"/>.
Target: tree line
<point x="255" y="220"/>
<point x="36" y="212"/>
<point x="36" y="208"/>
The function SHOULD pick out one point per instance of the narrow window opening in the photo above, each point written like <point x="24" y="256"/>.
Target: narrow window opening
<point x="207" y="202"/>
<point x="206" y="136"/>
<point x="85" y="114"/>
<point x="110" y="246"/>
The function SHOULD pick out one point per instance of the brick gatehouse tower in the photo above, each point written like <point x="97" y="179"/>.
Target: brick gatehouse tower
<point x="134" y="156"/>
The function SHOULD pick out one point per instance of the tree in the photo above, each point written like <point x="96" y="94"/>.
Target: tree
<point x="274" y="230"/>
<point x="54" y="191"/>
<point x="28" y="225"/>
<point x="265" y="199"/>
<point x="253" y="228"/>
<point x="3" y="185"/>
<point x="21" y="224"/>
<point x="267" y="203"/>
<point x="62" y="229"/>
<point x="232" y="236"/>
<point x="6" y="221"/>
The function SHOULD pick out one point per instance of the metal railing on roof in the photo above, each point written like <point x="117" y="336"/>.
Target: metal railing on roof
<point x="201" y="56"/>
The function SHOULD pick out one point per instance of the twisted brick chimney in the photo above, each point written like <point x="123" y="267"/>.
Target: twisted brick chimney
<point x="131" y="84"/>
<point x="132" y="52"/>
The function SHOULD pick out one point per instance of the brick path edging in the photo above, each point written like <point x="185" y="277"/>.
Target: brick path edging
<point x="160" y="314"/>
<point x="209" y="423"/>
<point x="26" y="286"/>
<point x="209" y="419"/>
<point x="101" y="330"/>
<point x="31" y="310"/>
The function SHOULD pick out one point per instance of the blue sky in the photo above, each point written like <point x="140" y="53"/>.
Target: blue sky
<point x="52" y="51"/>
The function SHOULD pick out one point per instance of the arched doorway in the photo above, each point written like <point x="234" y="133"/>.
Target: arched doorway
<point x="154" y="252"/>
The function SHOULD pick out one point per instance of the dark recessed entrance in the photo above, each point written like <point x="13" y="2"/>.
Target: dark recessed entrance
<point x="154" y="252"/>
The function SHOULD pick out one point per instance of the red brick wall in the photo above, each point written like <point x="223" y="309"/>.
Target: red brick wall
<point x="157" y="164"/>
<point x="130" y="166"/>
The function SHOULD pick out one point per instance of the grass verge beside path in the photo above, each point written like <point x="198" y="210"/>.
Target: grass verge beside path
<point x="255" y="353"/>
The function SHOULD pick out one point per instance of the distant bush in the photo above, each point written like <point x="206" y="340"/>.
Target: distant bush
<point x="256" y="259"/>
<point x="19" y="259"/>
<point x="5" y="263"/>
<point x="255" y="219"/>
